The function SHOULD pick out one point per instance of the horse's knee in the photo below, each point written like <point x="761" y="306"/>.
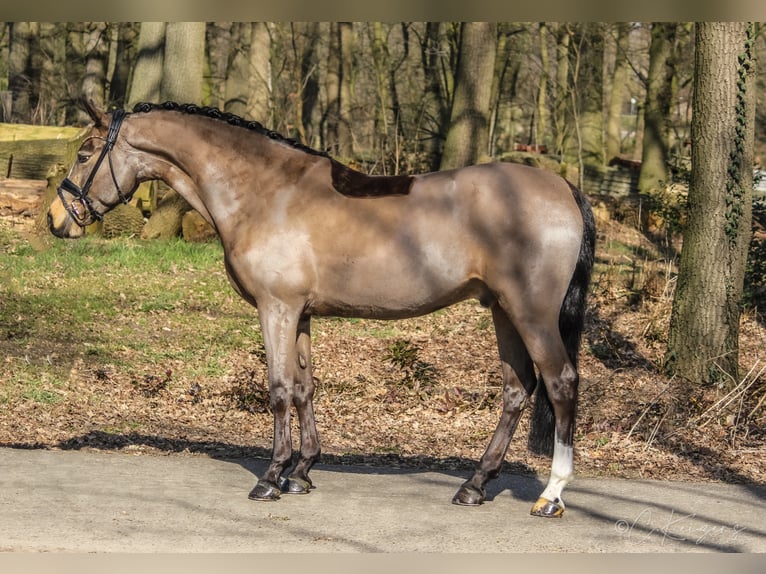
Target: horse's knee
<point x="280" y="398"/>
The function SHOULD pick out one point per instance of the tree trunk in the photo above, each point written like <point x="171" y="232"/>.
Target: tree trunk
<point x="436" y="97"/>
<point x="259" y="102"/>
<point x="124" y="54"/>
<point x="19" y="81"/>
<point x="308" y="84"/>
<point x="468" y="135"/>
<point x="147" y="73"/>
<point x="589" y="99"/>
<point x="562" y="106"/>
<point x="220" y="43"/>
<point x="248" y="85"/>
<point x="236" y="91"/>
<point x="339" y="89"/>
<point x="704" y="326"/>
<point x="345" y="133"/>
<point x="50" y="59"/>
<point x="543" y="112"/>
<point x="96" y="46"/>
<point x="182" y="68"/>
<point x="618" y="91"/>
<point x="654" y="173"/>
<point x="184" y="62"/>
<point x="383" y="108"/>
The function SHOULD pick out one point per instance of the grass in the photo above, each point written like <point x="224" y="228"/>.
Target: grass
<point x="135" y="305"/>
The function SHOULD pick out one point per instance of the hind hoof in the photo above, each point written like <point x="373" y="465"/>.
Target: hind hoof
<point x="548" y="508"/>
<point x="468" y="496"/>
<point x="296" y="485"/>
<point x="265" y="491"/>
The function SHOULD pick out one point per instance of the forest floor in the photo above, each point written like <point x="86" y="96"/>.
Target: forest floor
<point x="419" y="393"/>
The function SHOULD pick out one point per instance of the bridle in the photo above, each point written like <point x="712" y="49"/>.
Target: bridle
<point x="81" y="207"/>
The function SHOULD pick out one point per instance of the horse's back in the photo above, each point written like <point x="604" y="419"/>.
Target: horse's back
<point x="500" y="198"/>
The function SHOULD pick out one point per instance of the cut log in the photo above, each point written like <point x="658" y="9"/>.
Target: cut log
<point x="21" y="196"/>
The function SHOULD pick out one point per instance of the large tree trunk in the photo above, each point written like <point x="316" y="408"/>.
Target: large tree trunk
<point x="468" y="135"/>
<point x="704" y="327"/>
<point x="654" y="174"/>
<point x="180" y="59"/>
<point x="184" y="62"/>
<point x="147" y="73"/>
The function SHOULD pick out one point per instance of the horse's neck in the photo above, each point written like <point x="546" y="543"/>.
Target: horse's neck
<point x="207" y="166"/>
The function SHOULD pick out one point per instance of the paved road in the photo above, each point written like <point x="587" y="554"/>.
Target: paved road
<point x="119" y="502"/>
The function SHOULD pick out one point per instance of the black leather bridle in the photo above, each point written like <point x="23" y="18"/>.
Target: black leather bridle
<point x="81" y="207"/>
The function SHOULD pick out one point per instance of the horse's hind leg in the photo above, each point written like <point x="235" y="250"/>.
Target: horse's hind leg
<point x="561" y="382"/>
<point x="298" y="482"/>
<point x="518" y="384"/>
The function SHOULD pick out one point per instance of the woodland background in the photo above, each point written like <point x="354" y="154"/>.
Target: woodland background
<point x="608" y="105"/>
<point x="384" y="95"/>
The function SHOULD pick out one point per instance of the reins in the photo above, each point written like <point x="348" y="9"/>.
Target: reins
<point x="81" y="193"/>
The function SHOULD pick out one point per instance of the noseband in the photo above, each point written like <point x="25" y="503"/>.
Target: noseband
<point x="81" y="199"/>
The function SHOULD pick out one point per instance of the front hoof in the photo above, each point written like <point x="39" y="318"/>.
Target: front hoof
<point x="468" y="496"/>
<point x="548" y="508"/>
<point x="296" y="485"/>
<point x="265" y="491"/>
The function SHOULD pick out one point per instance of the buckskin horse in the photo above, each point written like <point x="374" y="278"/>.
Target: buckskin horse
<point x="304" y="235"/>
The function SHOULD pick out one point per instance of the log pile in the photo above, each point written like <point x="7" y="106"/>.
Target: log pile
<point x="21" y="197"/>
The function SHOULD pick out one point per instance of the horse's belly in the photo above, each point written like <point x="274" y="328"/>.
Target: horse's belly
<point x="391" y="296"/>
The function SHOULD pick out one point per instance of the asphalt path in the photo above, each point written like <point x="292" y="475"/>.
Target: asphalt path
<point x="86" y="501"/>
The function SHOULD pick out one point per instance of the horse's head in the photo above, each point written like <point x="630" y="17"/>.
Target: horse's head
<point x="96" y="183"/>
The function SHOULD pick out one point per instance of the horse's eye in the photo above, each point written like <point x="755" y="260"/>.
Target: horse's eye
<point x="83" y="157"/>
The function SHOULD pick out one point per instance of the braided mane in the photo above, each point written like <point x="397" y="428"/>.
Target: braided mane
<point x="344" y="179"/>
<point x="229" y="118"/>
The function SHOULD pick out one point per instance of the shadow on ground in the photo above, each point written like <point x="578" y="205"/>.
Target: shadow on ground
<point x="255" y="459"/>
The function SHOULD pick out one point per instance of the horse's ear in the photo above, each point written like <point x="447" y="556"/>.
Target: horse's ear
<point x="98" y="116"/>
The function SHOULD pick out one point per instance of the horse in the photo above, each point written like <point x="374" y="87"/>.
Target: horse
<point x="304" y="235"/>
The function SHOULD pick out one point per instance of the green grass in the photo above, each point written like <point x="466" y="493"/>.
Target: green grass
<point x="141" y="306"/>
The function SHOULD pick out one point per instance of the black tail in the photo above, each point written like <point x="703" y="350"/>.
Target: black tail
<point x="571" y="322"/>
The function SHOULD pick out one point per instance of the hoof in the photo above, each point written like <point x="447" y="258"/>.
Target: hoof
<point x="548" y="508"/>
<point x="296" y="485"/>
<point x="265" y="491"/>
<point x="468" y="496"/>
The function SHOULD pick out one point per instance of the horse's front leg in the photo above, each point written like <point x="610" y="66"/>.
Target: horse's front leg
<point x="298" y="481"/>
<point x="279" y="324"/>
